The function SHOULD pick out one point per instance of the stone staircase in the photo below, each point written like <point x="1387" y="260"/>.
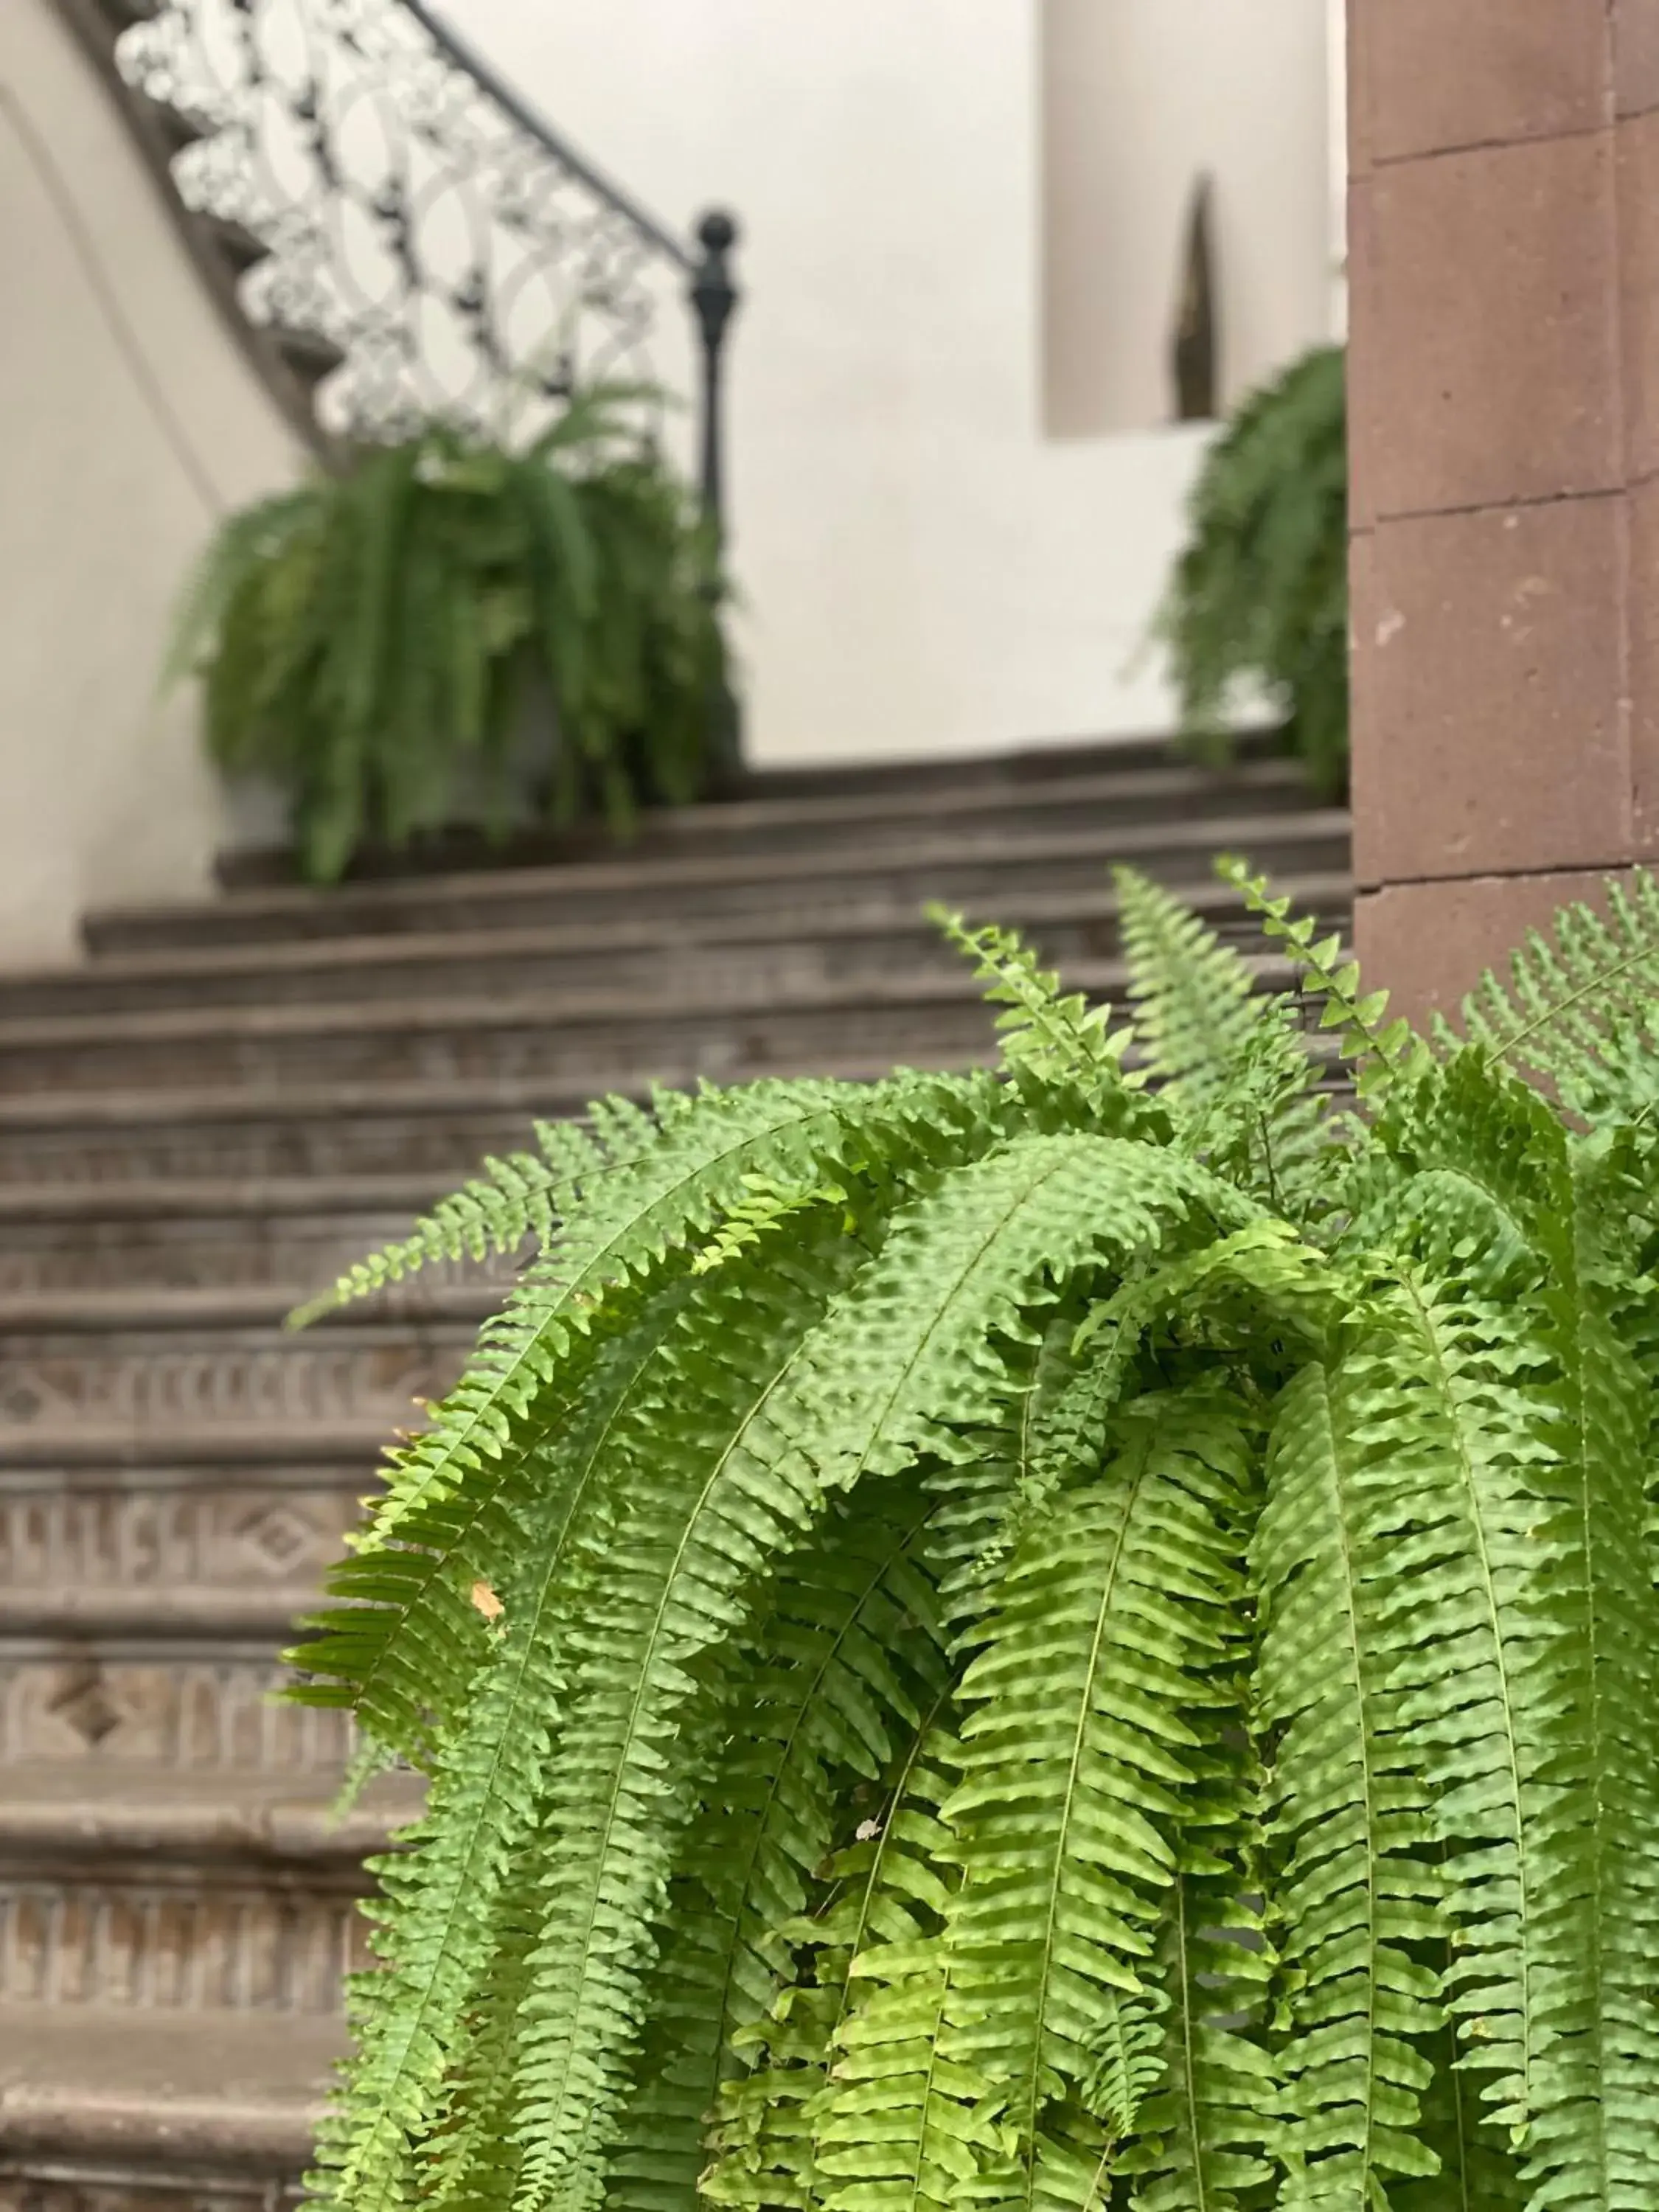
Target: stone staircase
<point x="224" y="1105"/>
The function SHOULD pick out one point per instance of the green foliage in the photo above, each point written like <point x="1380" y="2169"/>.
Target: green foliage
<point x="1084" y="1635"/>
<point x="383" y="642"/>
<point x="1260" y="594"/>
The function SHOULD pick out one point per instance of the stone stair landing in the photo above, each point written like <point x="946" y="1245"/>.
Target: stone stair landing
<point x="221" y="1108"/>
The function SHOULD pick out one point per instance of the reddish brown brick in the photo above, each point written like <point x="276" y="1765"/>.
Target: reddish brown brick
<point x="1438" y="75"/>
<point x="1489" y="720"/>
<point x="1428" y="944"/>
<point x="1486" y="306"/>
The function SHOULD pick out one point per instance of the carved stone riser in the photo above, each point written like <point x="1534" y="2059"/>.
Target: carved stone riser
<point x="173" y="1538"/>
<point x="185" y="1256"/>
<point x="326" y="1144"/>
<point x="557" y="1050"/>
<point x="166" y="1948"/>
<point x="51" y="2190"/>
<point x="162" y="1385"/>
<point x="194" y="1713"/>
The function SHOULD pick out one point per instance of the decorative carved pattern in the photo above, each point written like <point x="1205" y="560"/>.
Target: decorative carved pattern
<point x="161" y="1384"/>
<point x="198" y="1714"/>
<point x="170" y="1948"/>
<point x="463" y="263"/>
<point x="164" y="1538"/>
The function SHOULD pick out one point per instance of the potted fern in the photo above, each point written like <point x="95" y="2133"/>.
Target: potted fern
<point x="1077" y="1635"/>
<point x="453" y="626"/>
<point x="1260" y="594"/>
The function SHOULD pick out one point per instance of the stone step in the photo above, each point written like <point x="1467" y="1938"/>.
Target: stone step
<point x="326" y="1131"/>
<point x="594" y="1035"/>
<point x="1008" y="767"/>
<point x="148" y="1580"/>
<point x="783" y="808"/>
<point x="189" y="2114"/>
<point x="167" y="1360"/>
<point x="65" y="1811"/>
<point x="223" y="1892"/>
<point x="170" y="1703"/>
<point x="329" y="1130"/>
<point x="986" y="874"/>
<point x="753" y="954"/>
<point x="1121" y="794"/>
<point x="271" y="1234"/>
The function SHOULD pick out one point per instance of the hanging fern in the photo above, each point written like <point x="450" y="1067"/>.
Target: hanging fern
<point x="1260" y="594"/>
<point x="386" y="644"/>
<point x="1080" y="1636"/>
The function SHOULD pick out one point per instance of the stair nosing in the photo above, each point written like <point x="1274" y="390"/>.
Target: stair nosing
<point x="1221" y="834"/>
<point x="695" y="933"/>
<point x="951" y="986"/>
<point x="193" y="1815"/>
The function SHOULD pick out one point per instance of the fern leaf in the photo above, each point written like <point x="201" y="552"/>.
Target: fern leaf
<point x="849" y="1645"/>
<point x="998" y="1241"/>
<point x="1579" y="1008"/>
<point x="1379" y="1054"/>
<point x="728" y="1490"/>
<point x="628" y="1228"/>
<point x="1359" y="1890"/>
<point x="1594" y="1610"/>
<point x="512" y="1199"/>
<point x="1085" y="1725"/>
<point x="1231" y="1061"/>
<point x="884" y="1891"/>
<point x="435" y="1920"/>
<point x="1045" y="1035"/>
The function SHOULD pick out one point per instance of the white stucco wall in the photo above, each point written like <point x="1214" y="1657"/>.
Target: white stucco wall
<point x="923" y="567"/>
<point x="127" y="421"/>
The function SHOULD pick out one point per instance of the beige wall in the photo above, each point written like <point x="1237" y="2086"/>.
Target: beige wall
<point x="127" y="422"/>
<point x="924" y="568"/>
<point x="1141" y="99"/>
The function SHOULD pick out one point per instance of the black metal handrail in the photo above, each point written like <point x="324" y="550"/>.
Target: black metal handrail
<point x="420" y="240"/>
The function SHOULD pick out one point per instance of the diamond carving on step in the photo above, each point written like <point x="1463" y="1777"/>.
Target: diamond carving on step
<point x="278" y="1536"/>
<point x="87" y="1706"/>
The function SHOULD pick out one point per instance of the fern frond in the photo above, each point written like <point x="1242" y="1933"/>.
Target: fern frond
<point x="1084" y="1737"/>
<point x="1196" y="1008"/>
<point x="1056" y="1038"/>
<point x="435" y="1919"/>
<point x="1358" y="1891"/>
<point x="1231" y="1060"/>
<point x="1451" y="1437"/>
<point x="1590" y="1602"/>
<point x="850" y="1645"/>
<point x="494" y="1211"/>
<point x="1579" y="1008"/>
<point x="882" y="1890"/>
<point x="1380" y="1054"/>
<point x="1259" y="593"/>
<point x="730" y="1489"/>
<point x="631" y="1225"/>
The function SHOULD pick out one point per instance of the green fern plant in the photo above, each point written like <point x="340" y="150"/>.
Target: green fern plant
<point x="384" y="643"/>
<point x="1082" y="1635"/>
<point x="1259" y="593"/>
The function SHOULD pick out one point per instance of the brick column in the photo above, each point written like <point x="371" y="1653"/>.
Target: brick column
<point x="1504" y="400"/>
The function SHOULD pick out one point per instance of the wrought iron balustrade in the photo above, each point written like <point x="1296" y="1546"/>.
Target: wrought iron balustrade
<point x="422" y="243"/>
